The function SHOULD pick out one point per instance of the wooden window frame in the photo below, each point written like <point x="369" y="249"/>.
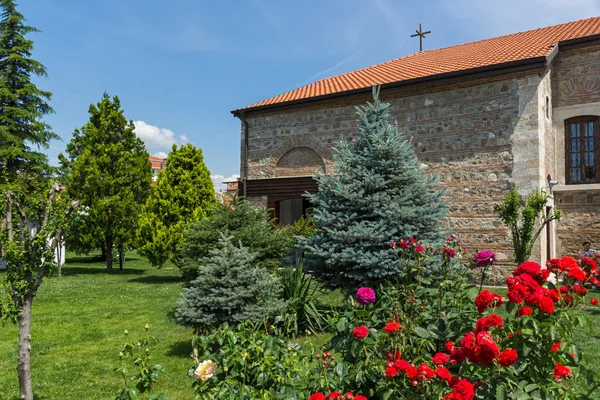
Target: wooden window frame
<point x="581" y="120"/>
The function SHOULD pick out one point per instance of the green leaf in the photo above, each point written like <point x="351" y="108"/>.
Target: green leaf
<point x="422" y="332"/>
<point x="501" y="392"/>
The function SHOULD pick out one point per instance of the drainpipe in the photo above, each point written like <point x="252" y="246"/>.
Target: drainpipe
<point x="244" y="169"/>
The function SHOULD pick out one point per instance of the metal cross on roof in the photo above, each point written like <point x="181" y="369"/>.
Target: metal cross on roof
<point x="421" y="36"/>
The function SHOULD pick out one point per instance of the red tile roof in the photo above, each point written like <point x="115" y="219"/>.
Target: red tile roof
<point x="504" y="49"/>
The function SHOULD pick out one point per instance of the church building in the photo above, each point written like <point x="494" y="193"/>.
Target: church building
<point x="519" y="109"/>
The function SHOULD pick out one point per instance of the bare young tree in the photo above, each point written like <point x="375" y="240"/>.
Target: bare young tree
<point x="29" y="242"/>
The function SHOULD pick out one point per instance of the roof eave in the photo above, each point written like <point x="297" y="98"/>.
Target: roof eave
<point x="519" y="65"/>
<point x="488" y="70"/>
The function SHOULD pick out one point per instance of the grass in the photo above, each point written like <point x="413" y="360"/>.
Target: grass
<point x="78" y="324"/>
<point x="79" y="319"/>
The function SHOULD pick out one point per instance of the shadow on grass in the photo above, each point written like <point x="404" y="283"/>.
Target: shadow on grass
<point x="90" y="259"/>
<point x="157" y="279"/>
<point x="70" y="271"/>
<point x="181" y="349"/>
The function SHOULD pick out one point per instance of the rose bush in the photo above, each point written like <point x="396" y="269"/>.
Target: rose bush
<point x="410" y="344"/>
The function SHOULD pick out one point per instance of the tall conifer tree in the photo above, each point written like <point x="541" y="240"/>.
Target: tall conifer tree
<point x="22" y="104"/>
<point x="183" y="193"/>
<point x="376" y="195"/>
<point x="108" y="171"/>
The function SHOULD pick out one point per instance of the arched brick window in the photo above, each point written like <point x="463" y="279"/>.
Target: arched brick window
<point x="299" y="161"/>
<point x="582" y="139"/>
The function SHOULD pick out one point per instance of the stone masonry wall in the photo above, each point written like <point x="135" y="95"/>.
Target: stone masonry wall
<point x="576" y="92"/>
<point x="479" y="138"/>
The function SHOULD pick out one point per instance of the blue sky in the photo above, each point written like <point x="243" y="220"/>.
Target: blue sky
<point x="180" y="66"/>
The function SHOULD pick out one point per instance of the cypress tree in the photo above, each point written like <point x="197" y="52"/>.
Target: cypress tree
<point x="183" y="193"/>
<point x="375" y="195"/>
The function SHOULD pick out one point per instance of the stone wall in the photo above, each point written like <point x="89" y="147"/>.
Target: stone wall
<point x="479" y="138"/>
<point x="576" y="92"/>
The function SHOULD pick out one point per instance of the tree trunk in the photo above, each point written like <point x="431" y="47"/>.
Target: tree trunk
<point x="58" y="252"/>
<point x="103" y="248"/>
<point x="120" y="258"/>
<point x="109" y="253"/>
<point x="24" y="365"/>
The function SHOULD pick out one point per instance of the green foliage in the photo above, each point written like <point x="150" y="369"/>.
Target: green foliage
<point x="183" y="193"/>
<point x="523" y="227"/>
<point x="231" y="287"/>
<point x="432" y="308"/>
<point x="23" y="105"/>
<point x="299" y="293"/>
<point x="251" y="365"/>
<point x="376" y="195"/>
<point x="144" y="381"/>
<point x="108" y="170"/>
<point x="28" y="240"/>
<point x="252" y="226"/>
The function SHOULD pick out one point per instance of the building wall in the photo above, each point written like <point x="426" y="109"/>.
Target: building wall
<point x="576" y="92"/>
<point x="478" y="137"/>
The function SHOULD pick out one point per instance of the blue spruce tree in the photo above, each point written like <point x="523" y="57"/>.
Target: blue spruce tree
<point x="376" y="195"/>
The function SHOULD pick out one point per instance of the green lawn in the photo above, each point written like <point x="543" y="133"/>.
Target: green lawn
<point x="78" y="324"/>
<point x="79" y="319"/>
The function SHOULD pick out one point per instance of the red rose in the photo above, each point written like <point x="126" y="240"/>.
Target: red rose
<point x="552" y="293"/>
<point x="533" y="297"/>
<point x="404" y="244"/>
<point x="419" y="249"/>
<point x="566" y="263"/>
<point x="334" y="395"/>
<point x="463" y="390"/>
<point x="527" y="281"/>
<point x="483" y="300"/>
<point x="360" y="332"/>
<point x="390" y="372"/>
<point x="594" y="301"/>
<point x="440" y="359"/>
<point x="553" y="264"/>
<point x="424" y="371"/>
<point x="561" y="371"/>
<point x="360" y="397"/>
<point x="528" y="267"/>
<point x="392" y="327"/>
<point x="555" y="347"/>
<point x="349" y="395"/>
<point x="546" y="305"/>
<point x="516" y="293"/>
<point x="543" y="276"/>
<point x="577" y="274"/>
<point x="317" y="396"/>
<point x="524" y="311"/>
<point x="486" y="350"/>
<point x="508" y="357"/>
<point x="449" y="346"/>
<point x="401" y="365"/>
<point x="467" y="346"/>
<point x="589" y="265"/>
<point x="443" y="373"/>
<point x="411" y="372"/>
<point x="484" y="324"/>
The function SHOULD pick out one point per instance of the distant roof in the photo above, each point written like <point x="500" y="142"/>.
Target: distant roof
<point x="528" y="45"/>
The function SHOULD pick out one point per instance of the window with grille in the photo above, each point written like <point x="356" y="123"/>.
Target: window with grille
<point x="583" y="145"/>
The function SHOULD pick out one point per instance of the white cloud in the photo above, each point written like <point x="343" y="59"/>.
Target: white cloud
<point x="160" y="154"/>
<point x="157" y="139"/>
<point x="218" y="181"/>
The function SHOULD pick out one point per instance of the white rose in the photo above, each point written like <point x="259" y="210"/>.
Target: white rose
<point x="205" y="370"/>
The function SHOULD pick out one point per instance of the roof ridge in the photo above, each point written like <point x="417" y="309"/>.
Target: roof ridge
<point x="458" y="45"/>
<point x="499" y="50"/>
